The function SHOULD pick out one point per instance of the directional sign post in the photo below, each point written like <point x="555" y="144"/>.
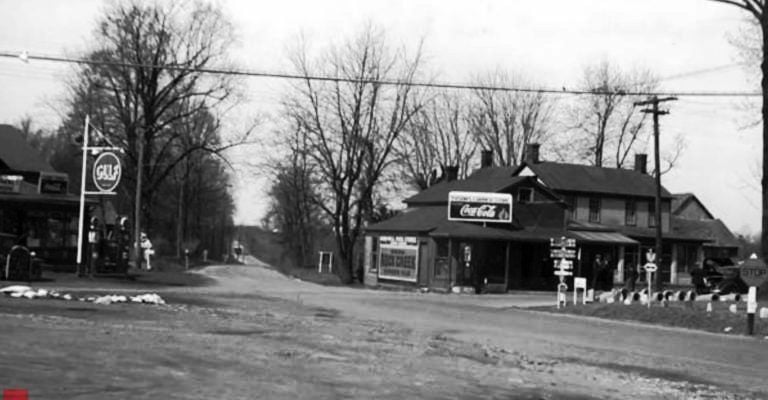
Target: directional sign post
<point x="650" y="268"/>
<point x="562" y="250"/>
<point x="754" y="273"/>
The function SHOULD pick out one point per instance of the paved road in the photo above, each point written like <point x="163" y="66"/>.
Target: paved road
<point x="726" y="361"/>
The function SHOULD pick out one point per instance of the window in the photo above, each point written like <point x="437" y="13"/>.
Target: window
<point x="630" y="213"/>
<point x="525" y="195"/>
<point x="594" y="210"/>
<point x="651" y="214"/>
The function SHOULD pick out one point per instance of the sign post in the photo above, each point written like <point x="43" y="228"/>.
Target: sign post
<point x="754" y="273"/>
<point x="106" y="177"/>
<point x="650" y="267"/>
<point x="562" y="250"/>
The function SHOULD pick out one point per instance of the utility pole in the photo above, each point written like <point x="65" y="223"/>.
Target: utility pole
<point x="654" y="102"/>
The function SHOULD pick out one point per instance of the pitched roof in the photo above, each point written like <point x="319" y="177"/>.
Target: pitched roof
<point x="681" y="200"/>
<point x="530" y="221"/>
<point x="17" y="155"/>
<point x="438" y="193"/>
<point x="589" y="179"/>
<point x="712" y="231"/>
<point x="421" y="219"/>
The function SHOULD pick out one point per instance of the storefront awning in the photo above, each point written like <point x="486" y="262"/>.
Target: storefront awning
<point x="475" y="231"/>
<point x="602" y="237"/>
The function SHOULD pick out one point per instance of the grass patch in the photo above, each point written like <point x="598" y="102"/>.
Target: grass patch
<point x="311" y="275"/>
<point x="691" y="315"/>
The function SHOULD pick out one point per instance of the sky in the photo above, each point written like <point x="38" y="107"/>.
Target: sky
<point x="549" y="41"/>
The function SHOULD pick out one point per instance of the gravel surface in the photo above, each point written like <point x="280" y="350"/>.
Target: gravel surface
<point x="257" y="334"/>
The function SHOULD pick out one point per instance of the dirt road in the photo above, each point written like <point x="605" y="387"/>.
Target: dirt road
<point x="258" y="334"/>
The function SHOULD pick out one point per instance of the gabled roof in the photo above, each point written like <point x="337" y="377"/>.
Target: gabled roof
<point x="563" y="177"/>
<point x="438" y="193"/>
<point x="17" y="155"/>
<point x="526" y="219"/>
<point x="712" y="231"/>
<point x="682" y="200"/>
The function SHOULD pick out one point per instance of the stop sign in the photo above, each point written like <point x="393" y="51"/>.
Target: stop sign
<point x="753" y="272"/>
<point x="106" y="172"/>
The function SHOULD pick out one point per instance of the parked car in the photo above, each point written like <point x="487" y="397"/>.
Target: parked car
<point x="718" y="275"/>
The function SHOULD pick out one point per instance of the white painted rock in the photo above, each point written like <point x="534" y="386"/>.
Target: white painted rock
<point x="732" y="308"/>
<point x="764" y="312"/>
<point x="727" y="329"/>
<point x="15" y="289"/>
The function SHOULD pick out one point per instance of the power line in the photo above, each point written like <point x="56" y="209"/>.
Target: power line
<point x="701" y="71"/>
<point x="284" y="75"/>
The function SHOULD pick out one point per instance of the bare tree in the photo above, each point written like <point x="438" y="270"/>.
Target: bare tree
<point x="437" y="136"/>
<point x="506" y="121"/>
<point x="610" y="125"/>
<point x="351" y="125"/>
<point x="144" y="78"/>
<point x="293" y="212"/>
<point x="756" y="11"/>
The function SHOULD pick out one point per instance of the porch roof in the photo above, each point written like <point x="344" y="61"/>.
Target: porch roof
<point x="601" y="237"/>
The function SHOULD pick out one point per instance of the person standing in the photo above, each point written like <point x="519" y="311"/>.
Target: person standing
<point x="146" y="247"/>
<point x="597" y="271"/>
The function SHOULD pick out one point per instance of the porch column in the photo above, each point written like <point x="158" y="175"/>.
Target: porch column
<point x="673" y="265"/>
<point x="451" y="272"/>
<point x="506" y="268"/>
<point x="619" y="277"/>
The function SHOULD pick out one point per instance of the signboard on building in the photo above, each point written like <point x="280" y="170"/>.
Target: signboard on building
<point x="399" y="258"/>
<point x="106" y="172"/>
<point x="480" y="207"/>
<point x="10" y="183"/>
<point x="53" y="183"/>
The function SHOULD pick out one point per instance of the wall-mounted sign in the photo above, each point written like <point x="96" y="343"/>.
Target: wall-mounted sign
<point x="399" y="258"/>
<point x="53" y="183"/>
<point x="10" y="183"/>
<point x="106" y="172"/>
<point x="480" y="207"/>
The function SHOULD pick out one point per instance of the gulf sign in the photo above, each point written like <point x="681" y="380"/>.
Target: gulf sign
<point x="480" y="207"/>
<point x="106" y="172"/>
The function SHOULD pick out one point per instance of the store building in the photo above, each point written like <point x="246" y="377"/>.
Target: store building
<point x="36" y="208"/>
<point x="608" y="211"/>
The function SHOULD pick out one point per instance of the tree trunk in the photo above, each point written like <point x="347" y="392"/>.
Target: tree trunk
<point x="764" y="68"/>
<point x="346" y="261"/>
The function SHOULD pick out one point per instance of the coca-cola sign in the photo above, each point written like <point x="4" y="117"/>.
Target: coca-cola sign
<point x="480" y="207"/>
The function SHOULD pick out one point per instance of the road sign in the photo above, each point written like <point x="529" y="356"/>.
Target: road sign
<point x="562" y="253"/>
<point x="650" y="267"/>
<point x="562" y="272"/>
<point x="564" y="264"/>
<point x="650" y="256"/>
<point x="753" y="272"/>
<point x="562" y="242"/>
<point x="106" y="172"/>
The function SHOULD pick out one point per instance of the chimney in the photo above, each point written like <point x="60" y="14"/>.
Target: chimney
<point x="641" y="161"/>
<point x="531" y="155"/>
<point x="451" y="173"/>
<point x="486" y="158"/>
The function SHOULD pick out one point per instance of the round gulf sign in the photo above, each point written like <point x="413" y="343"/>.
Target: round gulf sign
<point x="650" y="267"/>
<point x="106" y="172"/>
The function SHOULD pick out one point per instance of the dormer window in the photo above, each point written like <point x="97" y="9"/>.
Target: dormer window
<point x="525" y="195"/>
